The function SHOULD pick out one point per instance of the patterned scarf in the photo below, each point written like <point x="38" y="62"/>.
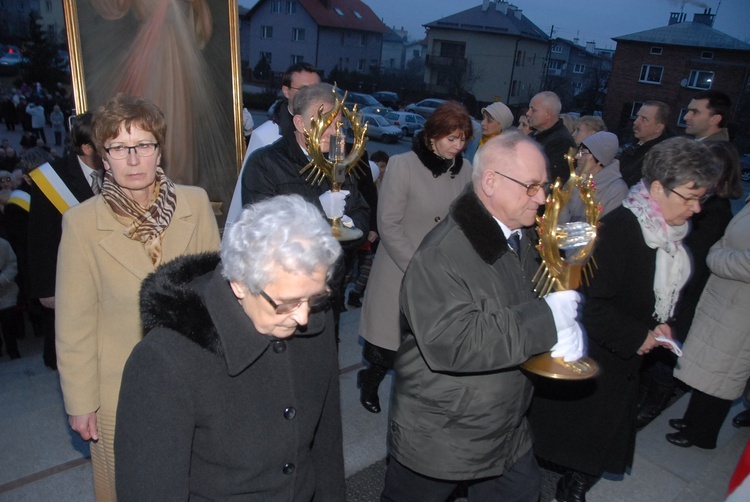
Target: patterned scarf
<point x="672" y="261"/>
<point x="143" y="225"/>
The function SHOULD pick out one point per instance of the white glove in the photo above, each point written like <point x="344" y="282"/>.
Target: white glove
<point x="564" y="307"/>
<point x="334" y="203"/>
<point x="570" y="345"/>
<point x="347" y="222"/>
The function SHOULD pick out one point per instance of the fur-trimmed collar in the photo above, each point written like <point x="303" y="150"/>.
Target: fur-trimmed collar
<point x="478" y="225"/>
<point x="168" y="300"/>
<point x="437" y="165"/>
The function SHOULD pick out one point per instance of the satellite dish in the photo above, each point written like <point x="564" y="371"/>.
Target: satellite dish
<point x="684" y="82"/>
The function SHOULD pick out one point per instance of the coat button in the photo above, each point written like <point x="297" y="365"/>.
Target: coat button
<point x="279" y="346"/>
<point x="437" y="219"/>
<point x="288" y="468"/>
<point x="290" y="413"/>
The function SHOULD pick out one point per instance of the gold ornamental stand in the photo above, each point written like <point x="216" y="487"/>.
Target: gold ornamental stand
<point x="337" y="164"/>
<point x="566" y="251"/>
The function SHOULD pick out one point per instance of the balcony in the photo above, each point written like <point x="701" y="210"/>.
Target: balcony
<point x="444" y="62"/>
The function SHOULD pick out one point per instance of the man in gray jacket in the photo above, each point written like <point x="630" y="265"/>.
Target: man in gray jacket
<point x="471" y="318"/>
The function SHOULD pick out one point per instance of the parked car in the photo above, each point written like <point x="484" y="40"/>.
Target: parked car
<point x="388" y="98"/>
<point x="425" y="107"/>
<point x="11" y="59"/>
<point x="376" y="110"/>
<point x="356" y="98"/>
<point x="407" y="122"/>
<point x="745" y="165"/>
<point x="379" y="129"/>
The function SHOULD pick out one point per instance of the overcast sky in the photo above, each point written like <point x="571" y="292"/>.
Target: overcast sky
<point x="597" y="20"/>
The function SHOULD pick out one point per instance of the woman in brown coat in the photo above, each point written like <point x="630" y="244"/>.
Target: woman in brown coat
<point x="110" y="243"/>
<point x="414" y="196"/>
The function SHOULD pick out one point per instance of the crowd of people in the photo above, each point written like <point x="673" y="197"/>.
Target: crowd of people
<point x="207" y="368"/>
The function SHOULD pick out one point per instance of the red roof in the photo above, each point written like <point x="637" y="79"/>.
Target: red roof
<point x="354" y="15"/>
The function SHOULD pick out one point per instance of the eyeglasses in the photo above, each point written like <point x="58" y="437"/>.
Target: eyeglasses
<point x="120" y="152"/>
<point x="5" y="179"/>
<point x="531" y="189"/>
<point x="314" y="302"/>
<point x="582" y="151"/>
<point x="689" y="200"/>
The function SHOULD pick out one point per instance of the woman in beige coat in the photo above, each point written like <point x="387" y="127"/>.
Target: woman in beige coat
<point x="110" y="243"/>
<point x="414" y="196"/>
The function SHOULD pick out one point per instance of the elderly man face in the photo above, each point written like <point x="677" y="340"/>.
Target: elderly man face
<point x="646" y="126"/>
<point x="507" y="179"/>
<point x="304" y="122"/>
<point x="540" y="114"/>
<point x="699" y="120"/>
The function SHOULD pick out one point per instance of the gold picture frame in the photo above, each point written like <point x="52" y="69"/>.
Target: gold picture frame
<point x="182" y="55"/>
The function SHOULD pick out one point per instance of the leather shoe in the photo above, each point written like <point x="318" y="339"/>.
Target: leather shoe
<point x="742" y="419"/>
<point x="678" y="424"/>
<point x="354" y="300"/>
<point x="677" y="439"/>
<point x="367" y="396"/>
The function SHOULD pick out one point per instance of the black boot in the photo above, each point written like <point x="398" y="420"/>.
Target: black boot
<point x="573" y="486"/>
<point x="368" y="381"/>
<point x="657" y="399"/>
<point x="355" y="299"/>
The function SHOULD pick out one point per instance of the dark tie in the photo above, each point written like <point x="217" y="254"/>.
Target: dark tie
<point x="514" y="241"/>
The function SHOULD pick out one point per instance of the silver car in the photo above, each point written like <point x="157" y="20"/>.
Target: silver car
<point x="406" y="121"/>
<point x="425" y="107"/>
<point x="379" y="129"/>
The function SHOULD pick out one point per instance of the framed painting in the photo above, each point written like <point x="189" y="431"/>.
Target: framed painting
<point x="184" y="56"/>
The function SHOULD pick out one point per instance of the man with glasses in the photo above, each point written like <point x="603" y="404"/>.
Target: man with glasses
<point x="296" y="77"/>
<point x="72" y="180"/>
<point x="471" y="319"/>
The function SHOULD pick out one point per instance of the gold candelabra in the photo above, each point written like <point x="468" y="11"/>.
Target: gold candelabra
<point x="337" y="164"/>
<point x="566" y="251"/>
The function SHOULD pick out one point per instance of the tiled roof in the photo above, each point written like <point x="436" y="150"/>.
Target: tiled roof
<point x="355" y="15"/>
<point x="491" y="21"/>
<point x="687" y="34"/>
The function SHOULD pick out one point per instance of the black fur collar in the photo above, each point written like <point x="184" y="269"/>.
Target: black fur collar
<point x="169" y="300"/>
<point x="437" y="165"/>
<point x="478" y="225"/>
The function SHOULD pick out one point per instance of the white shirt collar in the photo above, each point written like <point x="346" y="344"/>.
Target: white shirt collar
<point x="507" y="231"/>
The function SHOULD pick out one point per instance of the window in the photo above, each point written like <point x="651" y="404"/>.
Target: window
<point x="363" y="39"/>
<point x="296" y="58"/>
<point x="266" y="32"/>
<point x="291" y="7"/>
<point x="579" y="68"/>
<point x="707" y="55"/>
<point x="298" y="34"/>
<point x="634" y="109"/>
<point x="338" y="11"/>
<point x="361" y="65"/>
<point x="276" y="7"/>
<point x="520" y="57"/>
<point x="651" y="74"/>
<point x="557" y="49"/>
<point x="48" y="4"/>
<point x="373" y="63"/>
<point x="555" y="64"/>
<point x="343" y="38"/>
<point x="656" y="51"/>
<point x="357" y="15"/>
<point x="266" y="55"/>
<point x="514" y="88"/>
<point x="700" y="79"/>
<point x="681" y="119"/>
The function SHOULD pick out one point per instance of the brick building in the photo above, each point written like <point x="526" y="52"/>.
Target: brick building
<point x="673" y="63"/>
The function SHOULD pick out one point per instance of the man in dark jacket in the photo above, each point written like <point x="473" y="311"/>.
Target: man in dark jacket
<point x="76" y="173"/>
<point x="551" y="133"/>
<point x="649" y="129"/>
<point x="233" y="394"/>
<point x="471" y="319"/>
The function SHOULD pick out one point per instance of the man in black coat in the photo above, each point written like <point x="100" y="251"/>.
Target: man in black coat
<point x="649" y="129"/>
<point x="551" y="133"/>
<point x="79" y="172"/>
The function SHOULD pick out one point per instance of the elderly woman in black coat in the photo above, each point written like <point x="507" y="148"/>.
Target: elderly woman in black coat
<point x="234" y="391"/>
<point x="588" y="427"/>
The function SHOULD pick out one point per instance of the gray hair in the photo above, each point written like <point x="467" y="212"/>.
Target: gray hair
<point x="284" y="231"/>
<point x="507" y="143"/>
<point x="313" y="95"/>
<point x="551" y="101"/>
<point x="681" y="161"/>
<point x="593" y="122"/>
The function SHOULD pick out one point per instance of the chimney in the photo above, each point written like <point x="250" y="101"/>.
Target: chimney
<point x="517" y="13"/>
<point x="706" y="18"/>
<point x="485" y="5"/>
<point x="674" y="18"/>
<point x="591" y="47"/>
<point x="502" y="7"/>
